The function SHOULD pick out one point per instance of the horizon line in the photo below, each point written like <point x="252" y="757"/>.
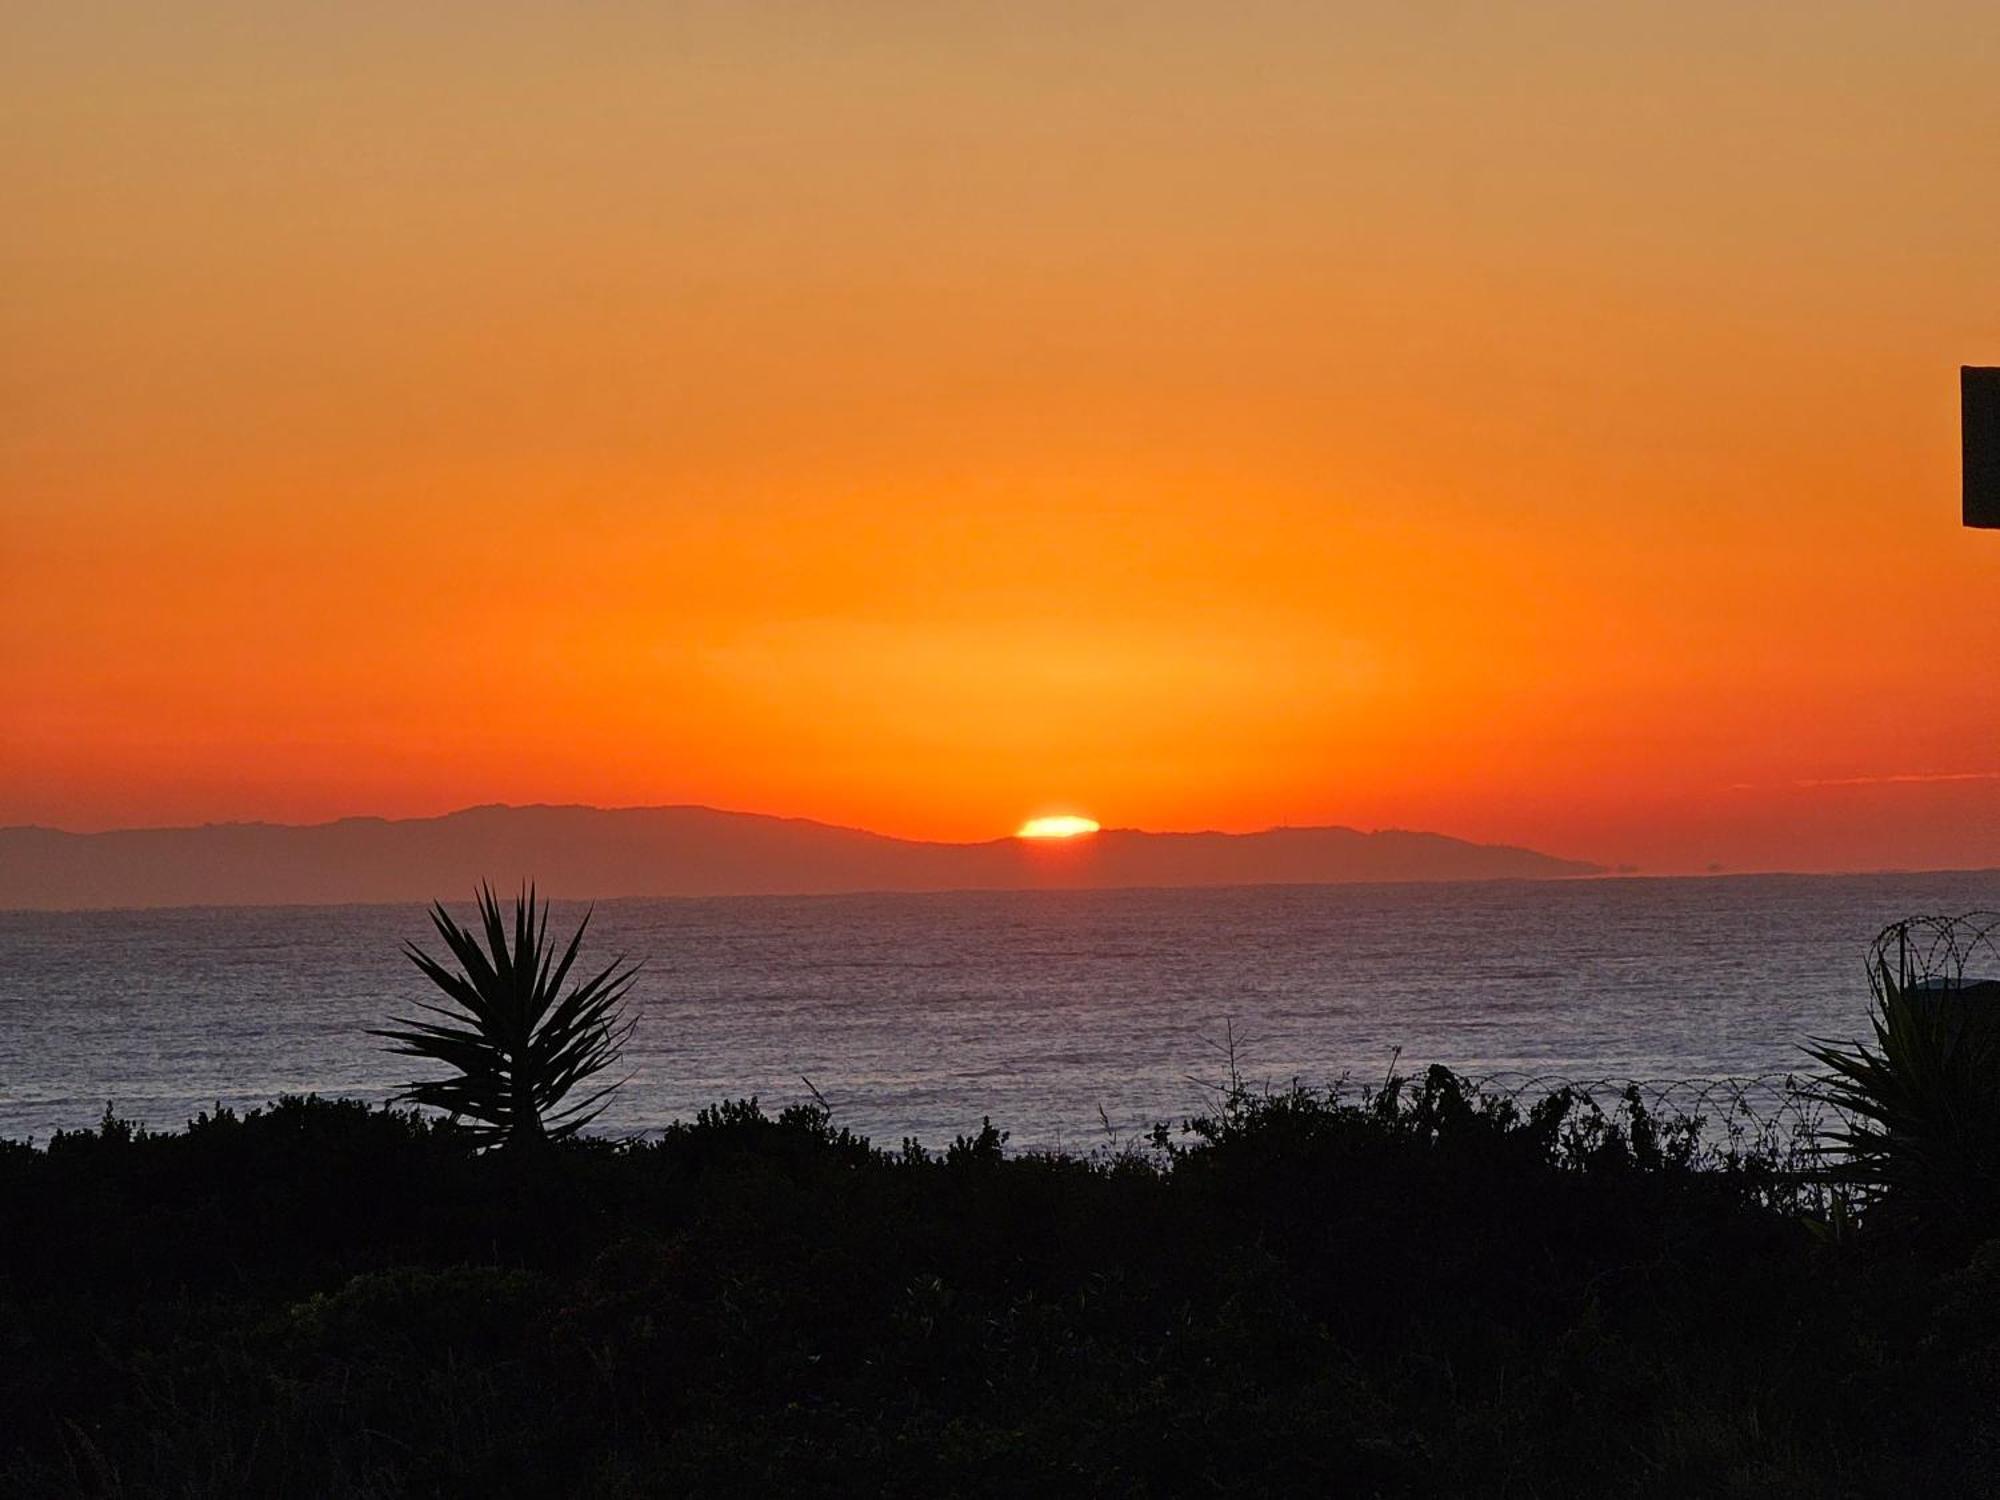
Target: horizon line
<point x="739" y="812"/>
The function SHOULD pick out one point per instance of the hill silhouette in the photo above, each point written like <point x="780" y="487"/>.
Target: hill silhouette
<point x="686" y="851"/>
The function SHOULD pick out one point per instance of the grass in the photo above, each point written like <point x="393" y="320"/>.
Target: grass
<point x="1415" y="1290"/>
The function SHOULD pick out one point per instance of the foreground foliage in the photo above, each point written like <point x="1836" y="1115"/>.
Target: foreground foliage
<point x="1418" y="1291"/>
<point x="516" y="1043"/>
<point x="1921" y="1143"/>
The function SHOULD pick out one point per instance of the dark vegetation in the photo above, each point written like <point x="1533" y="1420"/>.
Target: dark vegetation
<point x="518" y="1046"/>
<point x="1420" y="1289"/>
<point x="1412" y="1291"/>
<point x="1920" y="1143"/>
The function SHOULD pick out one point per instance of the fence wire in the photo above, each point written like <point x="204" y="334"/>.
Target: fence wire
<point x="1785" y="1117"/>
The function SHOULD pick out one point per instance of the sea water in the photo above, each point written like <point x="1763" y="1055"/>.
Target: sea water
<point x="1069" y="1018"/>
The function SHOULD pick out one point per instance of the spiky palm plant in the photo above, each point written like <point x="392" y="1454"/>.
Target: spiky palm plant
<point x="518" y="1044"/>
<point x="1921" y="1137"/>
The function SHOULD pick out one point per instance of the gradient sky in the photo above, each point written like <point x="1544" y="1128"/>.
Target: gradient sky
<point x="1529" y="421"/>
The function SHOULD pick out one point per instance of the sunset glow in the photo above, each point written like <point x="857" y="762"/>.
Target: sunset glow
<point x="1539" y="428"/>
<point x="1055" y="828"/>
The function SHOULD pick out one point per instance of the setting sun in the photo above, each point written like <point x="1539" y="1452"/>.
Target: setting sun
<point x="1065" y="827"/>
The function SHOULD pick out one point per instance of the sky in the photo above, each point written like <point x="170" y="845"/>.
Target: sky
<point x="1533" y="422"/>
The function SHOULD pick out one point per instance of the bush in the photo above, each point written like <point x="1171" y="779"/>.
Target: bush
<point x="1416" y="1290"/>
<point x="1920" y="1148"/>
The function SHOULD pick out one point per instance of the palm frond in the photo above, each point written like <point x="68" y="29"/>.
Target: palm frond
<point x="1920" y="1142"/>
<point x="517" y="1044"/>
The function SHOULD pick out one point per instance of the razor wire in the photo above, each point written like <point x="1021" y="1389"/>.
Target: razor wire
<point x="1786" y="1116"/>
<point x="1790" y="1116"/>
<point x="1935" y="952"/>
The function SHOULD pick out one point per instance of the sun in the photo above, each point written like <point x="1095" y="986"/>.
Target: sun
<point x="1064" y="827"/>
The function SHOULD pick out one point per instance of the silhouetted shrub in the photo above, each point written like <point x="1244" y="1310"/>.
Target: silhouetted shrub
<point x="1921" y="1143"/>
<point x="517" y="1044"/>
<point x="1414" y="1290"/>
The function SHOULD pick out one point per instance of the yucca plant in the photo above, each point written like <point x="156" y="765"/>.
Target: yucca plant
<point x="1920" y="1139"/>
<point x="519" y="1046"/>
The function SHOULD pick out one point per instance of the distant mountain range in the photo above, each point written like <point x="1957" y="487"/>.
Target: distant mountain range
<point x="576" y="852"/>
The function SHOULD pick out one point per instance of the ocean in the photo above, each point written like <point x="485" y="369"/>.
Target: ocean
<point x="1071" y="1019"/>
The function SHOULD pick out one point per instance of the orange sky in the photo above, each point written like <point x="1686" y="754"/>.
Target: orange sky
<point x="1533" y="422"/>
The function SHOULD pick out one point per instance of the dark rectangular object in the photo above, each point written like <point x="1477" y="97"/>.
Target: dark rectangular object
<point x="1979" y="420"/>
